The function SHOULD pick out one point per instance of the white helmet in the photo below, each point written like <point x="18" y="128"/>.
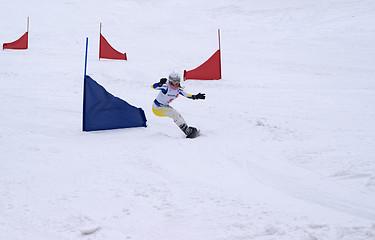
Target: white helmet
<point x="174" y="79"/>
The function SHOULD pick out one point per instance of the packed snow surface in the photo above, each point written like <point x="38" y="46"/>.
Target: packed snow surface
<point x="288" y="138"/>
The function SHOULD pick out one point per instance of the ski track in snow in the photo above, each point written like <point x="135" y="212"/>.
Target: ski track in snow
<point x="287" y="143"/>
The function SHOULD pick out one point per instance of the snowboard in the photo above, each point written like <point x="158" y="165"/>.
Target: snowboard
<point x="194" y="133"/>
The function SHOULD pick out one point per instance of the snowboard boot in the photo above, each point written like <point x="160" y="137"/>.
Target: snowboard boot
<point x="191" y="132"/>
<point x="186" y="129"/>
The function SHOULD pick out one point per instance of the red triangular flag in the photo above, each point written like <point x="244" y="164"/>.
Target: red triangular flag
<point x="108" y="52"/>
<point x="209" y="70"/>
<point x="21" y="43"/>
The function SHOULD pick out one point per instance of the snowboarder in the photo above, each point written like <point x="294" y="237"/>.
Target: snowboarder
<point x="169" y="91"/>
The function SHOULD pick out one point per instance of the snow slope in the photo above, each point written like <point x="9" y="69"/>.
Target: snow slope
<point x="288" y="143"/>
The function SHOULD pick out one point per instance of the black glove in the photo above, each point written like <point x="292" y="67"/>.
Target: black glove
<point x="162" y="81"/>
<point x="199" y="96"/>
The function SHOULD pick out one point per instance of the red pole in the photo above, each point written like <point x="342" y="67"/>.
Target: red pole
<point x="218" y="32"/>
<point x="100" y="38"/>
<point x="28" y="24"/>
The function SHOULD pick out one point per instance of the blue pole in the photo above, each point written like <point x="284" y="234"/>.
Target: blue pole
<point x="84" y="90"/>
<point x="87" y="45"/>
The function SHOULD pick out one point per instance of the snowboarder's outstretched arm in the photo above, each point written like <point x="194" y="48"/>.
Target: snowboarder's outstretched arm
<point x="194" y="97"/>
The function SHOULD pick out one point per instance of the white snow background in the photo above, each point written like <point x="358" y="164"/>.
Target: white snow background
<point x="288" y="138"/>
